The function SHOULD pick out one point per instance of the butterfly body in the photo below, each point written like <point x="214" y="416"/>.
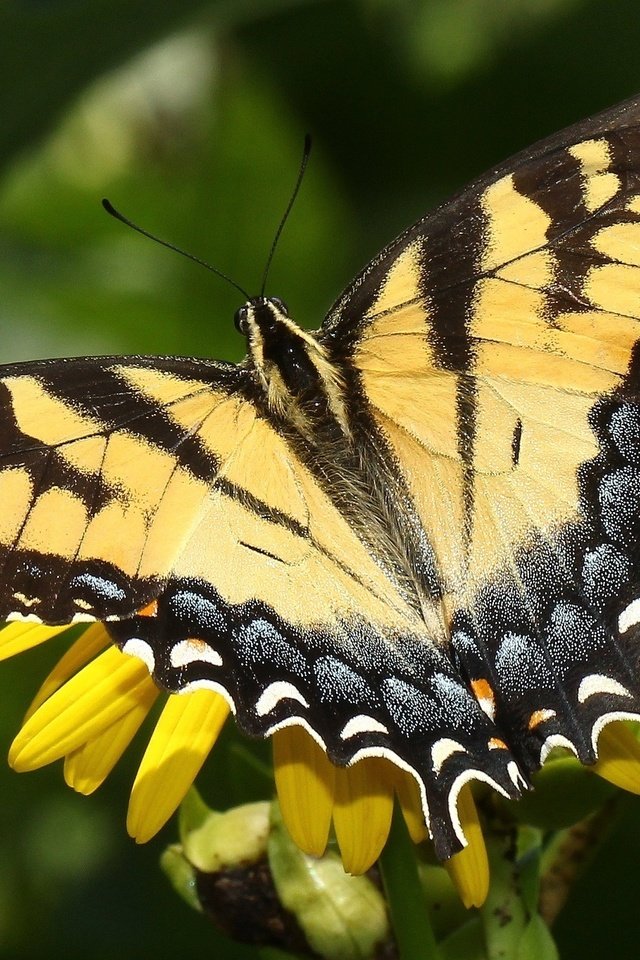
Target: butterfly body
<point x="414" y="532"/>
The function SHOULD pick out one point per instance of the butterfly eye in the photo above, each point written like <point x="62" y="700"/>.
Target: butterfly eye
<point x="240" y="319"/>
<point x="280" y="305"/>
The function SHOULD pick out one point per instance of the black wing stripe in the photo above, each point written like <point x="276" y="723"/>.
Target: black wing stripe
<point x="145" y="418"/>
<point x="260" y="507"/>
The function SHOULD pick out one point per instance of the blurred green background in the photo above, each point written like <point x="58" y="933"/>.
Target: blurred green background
<point x="190" y="117"/>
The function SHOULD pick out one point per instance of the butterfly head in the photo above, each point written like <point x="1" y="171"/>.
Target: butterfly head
<point x="298" y="379"/>
<point x="261" y="313"/>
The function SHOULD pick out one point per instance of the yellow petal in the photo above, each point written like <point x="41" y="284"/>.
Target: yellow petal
<point x="80" y="710"/>
<point x="409" y="799"/>
<point x="94" y="639"/>
<point x="469" y="869"/>
<point x="87" y="767"/>
<point x="619" y="757"/>
<point x="305" y="781"/>
<point x="185" y="733"/>
<point x="362" y="812"/>
<point x="19" y="636"/>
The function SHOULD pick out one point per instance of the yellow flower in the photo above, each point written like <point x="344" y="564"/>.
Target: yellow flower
<point x="94" y="700"/>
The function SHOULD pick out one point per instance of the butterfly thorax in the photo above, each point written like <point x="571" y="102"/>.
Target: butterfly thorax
<point x="299" y="382"/>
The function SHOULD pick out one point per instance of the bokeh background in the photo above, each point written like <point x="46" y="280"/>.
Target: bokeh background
<point x="190" y="117"/>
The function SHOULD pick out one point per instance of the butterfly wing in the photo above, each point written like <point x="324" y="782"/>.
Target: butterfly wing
<point x="494" y="346"/>
<point x="156" y="495"/>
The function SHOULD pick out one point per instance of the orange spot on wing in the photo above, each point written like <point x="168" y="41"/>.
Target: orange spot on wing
<point x="483" y="692"/>
<point x="538" y="717"/>
<point x="482" y="689"/>
<point x="151" y="609"/>
<point x="496" y="744"/>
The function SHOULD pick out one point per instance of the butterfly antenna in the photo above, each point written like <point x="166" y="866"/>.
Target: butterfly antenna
<point x="108" y="206"/>
<point x="303" y="166"/>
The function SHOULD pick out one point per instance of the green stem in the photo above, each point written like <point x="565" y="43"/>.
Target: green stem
<point x="407" y="905"/>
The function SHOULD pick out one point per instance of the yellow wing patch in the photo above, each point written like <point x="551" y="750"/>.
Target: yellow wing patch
<point x="541" y="355"/>
<point x="516" y="224"/>
<point x="599" y="184"/>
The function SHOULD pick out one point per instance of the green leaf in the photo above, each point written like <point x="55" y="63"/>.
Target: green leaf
<point x="181" y="875"/>
<point x="529" y="866"/>
<point x="564" y="792"/>
<point x="465" y="943"/>
<point x="445" y="908"/>
<point x="504" y="915"/>
<point x="407" y="903"/>
<point x="537" y="942"/>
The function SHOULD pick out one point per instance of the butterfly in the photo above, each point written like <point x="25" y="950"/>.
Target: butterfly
<point x="413" y="532"/>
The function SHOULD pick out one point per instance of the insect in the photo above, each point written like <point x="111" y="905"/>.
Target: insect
<point x="413" y="532"/>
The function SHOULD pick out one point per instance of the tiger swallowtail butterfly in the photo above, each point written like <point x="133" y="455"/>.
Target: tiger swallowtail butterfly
<point x="415" y="531"/>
